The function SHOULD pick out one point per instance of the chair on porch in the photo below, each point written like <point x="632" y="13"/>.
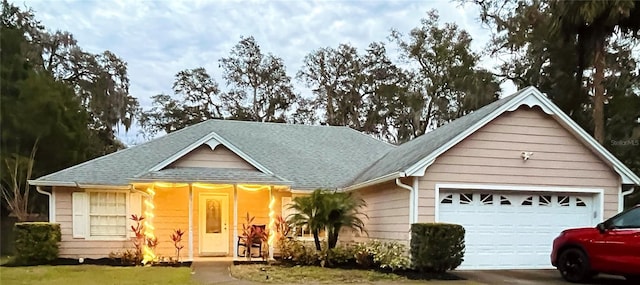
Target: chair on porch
<point x="255" y="243"/>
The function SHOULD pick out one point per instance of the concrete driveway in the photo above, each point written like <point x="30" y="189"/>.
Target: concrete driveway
<point x="530" y="277"/>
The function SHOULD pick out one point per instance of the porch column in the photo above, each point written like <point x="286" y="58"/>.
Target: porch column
<point x="271" y="217"/>
<point x="235" y="221"/>
<point x="191" y="221"/>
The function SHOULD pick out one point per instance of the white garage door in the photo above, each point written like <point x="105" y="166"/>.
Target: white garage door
<point x="506" y="230"/>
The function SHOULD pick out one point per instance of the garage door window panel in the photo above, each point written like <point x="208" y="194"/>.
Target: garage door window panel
<point x="486" y="199"/>
<point x="544" y="200"/>
<point x="504" y="201"/>
<point x="466" y="199"/>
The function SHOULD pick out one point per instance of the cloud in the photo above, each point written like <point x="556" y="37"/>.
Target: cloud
<point x="160" y="38"/>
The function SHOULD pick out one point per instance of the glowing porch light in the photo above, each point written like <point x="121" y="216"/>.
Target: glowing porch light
<point x="212" y="186"/>
<point x="250" y="187"/>
<point x="169" y="185"/>
<point x="147" y="252"/>
<point x="272" y="223"/>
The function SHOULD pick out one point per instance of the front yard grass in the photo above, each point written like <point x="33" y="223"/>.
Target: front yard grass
<point x="94" y="274"/>
<point x="318" y="275"/>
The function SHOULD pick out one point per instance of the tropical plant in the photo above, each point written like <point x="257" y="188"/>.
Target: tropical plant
<point x="343" y="210"/>
<point x="139" y="240"/>
<point x="251" y="234"/>
<point x="329" y="211"/>
<point x="176" y="237"/>
<point x="282" y="227"/>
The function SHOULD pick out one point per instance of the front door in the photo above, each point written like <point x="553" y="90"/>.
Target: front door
<point x="214" y="221"/>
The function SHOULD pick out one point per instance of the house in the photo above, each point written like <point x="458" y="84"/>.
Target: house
<point x="514" y="173"/>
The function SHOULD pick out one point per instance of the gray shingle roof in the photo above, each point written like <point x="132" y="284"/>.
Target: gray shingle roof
<point x="410" y="153"/>
<point x="309" y="156"/>
<point x="216" y="175"/>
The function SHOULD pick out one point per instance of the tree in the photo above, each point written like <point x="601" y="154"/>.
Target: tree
<point x="357" y="90"/>
<point x="15" y="191"/>
<point x="261" y="90"/>
<point x="336" y="79"/>
<point x="329" y="211"/>
<point x="552" y="45"/>
<point x="343" y="211"/>
<point x="34" y="107"/>
<point x="446" y="75"/>
<point x="99" y="80"/>
<point x="591" y="24"/>
<point x="197" y="99"/>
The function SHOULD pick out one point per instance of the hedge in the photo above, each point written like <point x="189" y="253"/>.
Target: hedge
<point x="436" y="247"/>
<point x="36" y="243"/>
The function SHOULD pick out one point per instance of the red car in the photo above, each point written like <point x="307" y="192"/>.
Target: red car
<point x="612" y="247"/>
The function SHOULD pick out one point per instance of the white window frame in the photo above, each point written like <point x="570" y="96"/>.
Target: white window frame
<point x="88" y="235"/>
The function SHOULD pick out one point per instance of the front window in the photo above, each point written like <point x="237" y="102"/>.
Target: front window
<point x="627" y="220"/>
<point x="108" y="214"/>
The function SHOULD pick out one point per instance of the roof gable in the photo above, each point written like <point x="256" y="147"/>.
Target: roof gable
<point x="413" y="157"/>
<point x="206" y="156"/>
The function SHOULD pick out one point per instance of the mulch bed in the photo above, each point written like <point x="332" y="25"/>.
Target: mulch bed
<point x="408" y="273"/>
<point x="105" y="261"/>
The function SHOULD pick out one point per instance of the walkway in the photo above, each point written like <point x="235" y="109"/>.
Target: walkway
<point x="215" y="272"/>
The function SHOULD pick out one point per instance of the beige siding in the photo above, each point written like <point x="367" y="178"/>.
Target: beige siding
<point x="492" y="156"/>
<point x="388" y="213"/>
<point x="79" y="247"/>
<point x="171" y="213"/>
<point x="220" y="157"/>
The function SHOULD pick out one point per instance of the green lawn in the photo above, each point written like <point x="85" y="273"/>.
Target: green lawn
<point x="94" y="274"/>
<point x="319" y="275"/>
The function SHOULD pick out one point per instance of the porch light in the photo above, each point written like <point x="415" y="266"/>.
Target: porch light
<point x="169" y="185"/>
<point x="148" y="254"/>
<point x="250" y="187"/>
<point x="212" y="186"/>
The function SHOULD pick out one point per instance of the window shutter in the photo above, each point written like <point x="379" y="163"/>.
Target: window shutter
<point x="79" y="210"/>
<point x="135" y="208"/>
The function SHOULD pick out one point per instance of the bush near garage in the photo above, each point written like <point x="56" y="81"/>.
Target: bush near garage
<point x="390" y="255"/>
<point x="36" y="243"/>
<point x="437" y="247"/>
<point x="367" y="255"/>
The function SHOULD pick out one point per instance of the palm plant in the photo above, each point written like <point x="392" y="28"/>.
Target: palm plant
<point x="329" y="211"/>
<point x="344" y="210"/>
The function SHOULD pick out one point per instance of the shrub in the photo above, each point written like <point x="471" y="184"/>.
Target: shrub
<point x="125" y="256"/>
<point x="387" y="255"/>
<point x="339" y="256"/>
<point x="437" y="247"/>
<point x="299" y="253"/>
<point x="36" y="243"/>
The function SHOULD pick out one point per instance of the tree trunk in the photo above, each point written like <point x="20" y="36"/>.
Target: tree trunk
<point x="316" y="240"/>
<point x="330" y="115"/>
<point x="255" y="104"/>
<point x="333" y="238"/>
<point x="598" y="96"/>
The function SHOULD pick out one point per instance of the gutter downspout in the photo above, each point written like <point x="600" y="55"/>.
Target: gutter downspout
<point x="624" y="194"/>
<point x="52" y="208"/>
<point x="412" y="201"/>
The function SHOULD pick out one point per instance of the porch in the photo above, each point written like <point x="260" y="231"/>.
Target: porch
<point x="210" y="214"/>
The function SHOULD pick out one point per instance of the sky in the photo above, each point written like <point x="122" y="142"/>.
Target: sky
<point x="160" y="38"/>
